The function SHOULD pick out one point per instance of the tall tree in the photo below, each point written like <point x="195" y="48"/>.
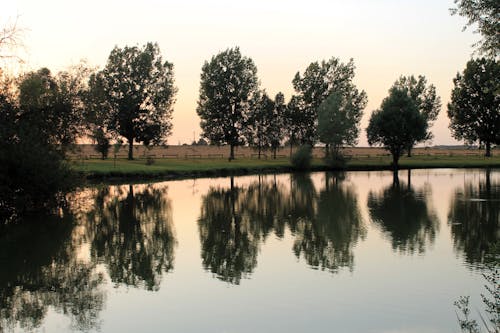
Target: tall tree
<point x="484" y="14"/>
<point x="474" y="110"/>
<point x="426" y="99"/>
<point x="338" y="120"/>
<point x="318" y="81"/>
<point x="228" y="82"/>
<point x="260" y="118"/>
<point x="139" y="94"/>
<point x="295" y="123"/>
<point x="276" y="132"/>
<point x="396" y="124"/>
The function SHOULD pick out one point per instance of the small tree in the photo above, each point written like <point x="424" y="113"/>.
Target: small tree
<point x="338" y="121"/>
<point x="228" y="82"/>
<point x="474" y="110"/>
<point x="138" y="89"/>
<point x="102" y="142"/>
<point x="396" y="124"/>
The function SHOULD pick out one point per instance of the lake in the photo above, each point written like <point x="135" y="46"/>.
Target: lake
<point x="319" y="252"/>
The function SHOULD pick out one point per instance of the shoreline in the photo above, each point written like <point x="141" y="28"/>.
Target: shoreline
<point x="97" y="171"/>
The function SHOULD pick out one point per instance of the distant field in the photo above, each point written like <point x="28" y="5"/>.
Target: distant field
<point x="213" y="152"/>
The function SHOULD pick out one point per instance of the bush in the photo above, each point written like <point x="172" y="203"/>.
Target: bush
<point x="301" y="159"/>
<point x="336" y="160"/>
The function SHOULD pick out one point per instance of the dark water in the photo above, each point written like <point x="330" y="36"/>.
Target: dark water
<point x="352" y="252"/>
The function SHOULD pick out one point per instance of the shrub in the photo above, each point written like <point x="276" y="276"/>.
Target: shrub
<point x="301" y="159"/>
<point x="336" y="160"/>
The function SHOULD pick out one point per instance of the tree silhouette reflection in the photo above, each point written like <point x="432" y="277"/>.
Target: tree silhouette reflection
<point x="133" y="235"/>
<point x="40" y="269"/>
<point x="326" y="240"/>
<point x="229" y="238"/>
<point x="403" y="215"/>
<point x="233" y="222"/>
<point x="475" y="219"/>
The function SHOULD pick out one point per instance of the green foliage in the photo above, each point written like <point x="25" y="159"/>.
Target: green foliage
<point x="136" y="91"/>
<point x="228" y="82"/>
<point x="396" y="124"/>
<point x="484" y="14"/>
<point x="426" y="100"/>
<point x="276" y="129"/>
<point x="54" y="104"/>
<point x="474" y="110"/>
<point x="295" y="123"/>
<point x="318" y="82"/>
<point x="33" y="175"/>
<point x="260" y="119"/>
<point x="338" y="120"/>
<point x="301" y="159"/>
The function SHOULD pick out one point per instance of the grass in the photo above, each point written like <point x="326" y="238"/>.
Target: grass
<point x="187" y="168"/>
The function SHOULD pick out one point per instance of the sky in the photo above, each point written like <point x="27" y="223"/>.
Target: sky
<point x="386" y="39"/>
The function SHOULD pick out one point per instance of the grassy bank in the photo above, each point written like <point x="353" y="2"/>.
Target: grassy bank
<point x="186" y="168"/>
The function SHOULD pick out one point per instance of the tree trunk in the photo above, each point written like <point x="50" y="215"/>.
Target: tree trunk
<point x="231" y="153"/>
<point x="259" y="150"/>
<point x="130" y="150"/>
<point x="409" y="151"/>
<point x="488" y="149"/>
<point x="291" y="149"/>
<point x="395" y="160"/>
<point x="275" y="149"/>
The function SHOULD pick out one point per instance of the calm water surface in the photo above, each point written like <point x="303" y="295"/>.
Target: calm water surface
<point x="321" y="252"/>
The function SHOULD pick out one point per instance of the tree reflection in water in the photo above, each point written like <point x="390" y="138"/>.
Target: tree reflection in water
<point x="326" y="240"/>
<point x="133" y="234"/>
<point x="41" y="269"/>
<point x="403" y="215"/>
<point x="475" y="219"/>
<point x="233" y="222"/>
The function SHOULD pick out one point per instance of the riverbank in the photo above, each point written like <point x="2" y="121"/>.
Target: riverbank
<point x="168" y="168"/>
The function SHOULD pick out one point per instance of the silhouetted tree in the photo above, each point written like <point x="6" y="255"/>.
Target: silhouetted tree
<point x="260" y="118"/>
<point x="228" y="82"/>
<point x="276" y="130"/>
<point x="338" y="120"/>
<point x="397" y="124"/>
<point x="318" y="81"/>
<point x="474" y="110"/>
<point x="426" y="100"/>
<point x="137" y="94"/>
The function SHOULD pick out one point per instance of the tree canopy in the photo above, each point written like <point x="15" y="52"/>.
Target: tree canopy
<point x="426" y="99"/>
<point x="228" y="82"/>
<point x="396" y="124"/>
<point x="318" y="81"/>
<point x="474" y="110"/>
<point x="484" y="13"/>
<point x="338" y="120"/>
<point x="139" y="94"/>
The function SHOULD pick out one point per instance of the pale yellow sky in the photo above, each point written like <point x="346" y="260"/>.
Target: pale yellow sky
<point x="386" y="39"/>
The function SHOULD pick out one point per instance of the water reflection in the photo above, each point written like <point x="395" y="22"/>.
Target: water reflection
<point x="475" y="219"/>
<point x="133" y="234"/>
<point x="402" y="213"/>
<point x="326" y="237"/>
<point x="40" y="269"/>
<point x="233" y="222"/>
